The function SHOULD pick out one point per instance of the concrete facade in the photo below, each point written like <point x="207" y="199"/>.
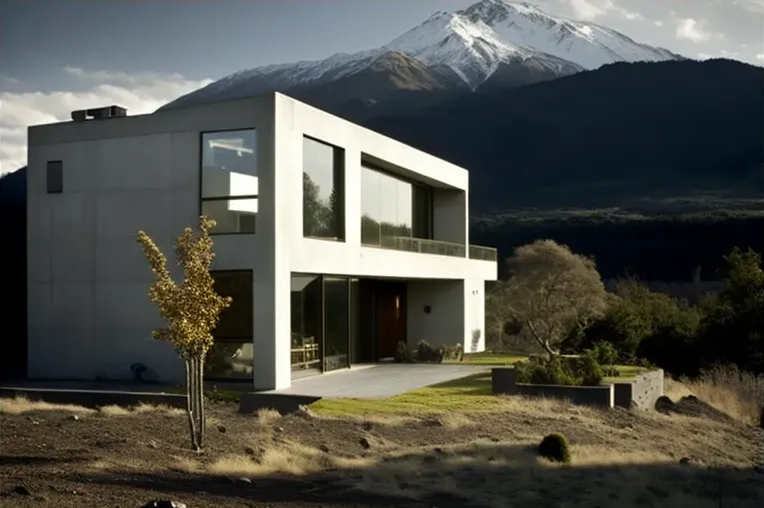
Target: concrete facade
<point x="89" y="316"/>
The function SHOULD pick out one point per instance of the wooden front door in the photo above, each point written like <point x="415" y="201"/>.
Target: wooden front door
<point x="390" y="317"/>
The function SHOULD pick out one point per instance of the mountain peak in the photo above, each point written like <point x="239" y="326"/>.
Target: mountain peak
<point x="516" y="39"/>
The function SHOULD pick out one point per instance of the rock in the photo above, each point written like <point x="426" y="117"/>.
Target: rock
<point x="367" y="426"/>
<point x="324" y="448"/>
<point x="21" y="490"/>
<point x="684" y="460"/>
<point x="221" y="429"/>
<point x="153" y="444"/>
<point x="664" y="405"/>
<point x="279" y="429"/>
<point x="249" y="450"/>
<point x="164" y="504"/>
<point x="242" y="480"/>
<point x="74" y="417"/>
<point x="438" y="450"/>
<point x="365" y="444"/>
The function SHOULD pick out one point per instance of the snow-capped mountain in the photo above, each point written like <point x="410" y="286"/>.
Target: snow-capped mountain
<point x="461" y="49"/>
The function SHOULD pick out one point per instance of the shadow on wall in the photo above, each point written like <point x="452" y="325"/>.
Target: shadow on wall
<point x="487" y="474"/>
<point x="13" y="273"/>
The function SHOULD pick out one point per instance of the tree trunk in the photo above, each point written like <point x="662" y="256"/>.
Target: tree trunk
<point x="542" y="342"/>
<point x="200" y="400"/>
<point x="190" y="404"/>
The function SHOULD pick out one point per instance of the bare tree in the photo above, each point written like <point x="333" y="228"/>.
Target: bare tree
<point x="551" y="290"/>
<point x="192" y="311"/>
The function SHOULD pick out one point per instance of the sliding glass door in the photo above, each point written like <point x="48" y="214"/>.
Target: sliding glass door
<point x="323" y="322"/>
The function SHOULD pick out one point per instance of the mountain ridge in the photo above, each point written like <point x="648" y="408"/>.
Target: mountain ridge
<point x="490" y="36"/>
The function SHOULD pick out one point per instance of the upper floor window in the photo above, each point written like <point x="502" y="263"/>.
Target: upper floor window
<point x="393" y="209"/>
<point x="229" y="180"/>
<point x="54" y="177"/>
<point x="323" y="211"/>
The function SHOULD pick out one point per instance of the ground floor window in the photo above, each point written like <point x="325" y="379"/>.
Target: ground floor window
<point x="232" y="354"/>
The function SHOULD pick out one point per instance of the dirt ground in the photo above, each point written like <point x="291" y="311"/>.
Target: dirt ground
<point x="73" y="457"/>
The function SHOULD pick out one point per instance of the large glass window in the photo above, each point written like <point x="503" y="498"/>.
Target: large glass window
<point x="393" y="209"/>
<point x="322" y="190"/>
<point x="232" y="353"/>
<point x="307" y="323"/>
<point x="229" y="180"/>
<point x="336" y="323"/>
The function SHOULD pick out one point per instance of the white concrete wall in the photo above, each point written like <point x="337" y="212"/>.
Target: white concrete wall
<point x="89" y="313"/>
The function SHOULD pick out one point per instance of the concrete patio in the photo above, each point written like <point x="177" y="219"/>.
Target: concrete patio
<point x="376" y="381"/>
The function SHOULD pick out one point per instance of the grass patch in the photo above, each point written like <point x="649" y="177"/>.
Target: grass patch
<point x="625" y="373"/>
<point x="471" y="393"/>
<point x="489" y="359"/>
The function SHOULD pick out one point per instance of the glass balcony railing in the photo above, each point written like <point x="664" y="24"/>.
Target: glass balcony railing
<point x="437" y="247"/>
<point x="483" y="253"/>
<point x="421" y="245"/>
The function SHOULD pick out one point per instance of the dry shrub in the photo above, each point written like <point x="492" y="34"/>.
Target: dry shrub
<point x="114" y="410"/>
<point x="726" y="388"/>
<point x="286" y="458"/>
<point x="19" y="405"/>
<point x="267" y="416"/>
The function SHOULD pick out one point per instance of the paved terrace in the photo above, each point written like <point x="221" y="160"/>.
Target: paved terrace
<point x="376" y="381"/>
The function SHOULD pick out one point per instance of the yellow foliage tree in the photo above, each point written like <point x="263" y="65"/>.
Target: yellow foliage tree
<point x="191" y="310"/>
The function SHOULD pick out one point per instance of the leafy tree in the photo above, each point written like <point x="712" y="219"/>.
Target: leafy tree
<point x="733" y="330"/>
<point x="551" y="290"/>
<point x="191" y="310"/>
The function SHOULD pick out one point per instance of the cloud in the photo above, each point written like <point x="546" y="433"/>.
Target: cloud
<point x="593" y="9"/>
<point x="691" y="30"/>
<point x="760" y="56"/>
<point x="139" y="93"/>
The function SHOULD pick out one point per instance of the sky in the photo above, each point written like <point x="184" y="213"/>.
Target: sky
<point x="60" y="55"/>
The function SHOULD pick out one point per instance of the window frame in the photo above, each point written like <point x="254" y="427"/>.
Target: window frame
<point x="338" y="182"/>
<point x="203" y="199"/>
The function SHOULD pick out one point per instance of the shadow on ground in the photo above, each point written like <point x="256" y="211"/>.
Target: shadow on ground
<point x="486" y="475"/>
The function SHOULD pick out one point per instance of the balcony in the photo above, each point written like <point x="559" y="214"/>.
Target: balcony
<point x="437" y="247"/>
<point x="483" y="253"/>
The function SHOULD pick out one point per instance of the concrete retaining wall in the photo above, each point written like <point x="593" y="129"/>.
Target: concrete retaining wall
<point x="642" y="391"/>
<point x="504" y="382"/>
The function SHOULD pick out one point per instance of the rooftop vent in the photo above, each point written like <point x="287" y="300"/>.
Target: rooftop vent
<point x="82" y="115"/>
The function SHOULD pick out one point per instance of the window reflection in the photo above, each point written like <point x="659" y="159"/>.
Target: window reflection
<point x="232" y="353"/>
<point x="230" y="185"/>
<point x="306" y="319"/>
<point x="336" y="324"/>
<point x="393" y="209"/>
<point x="322" y="197"/>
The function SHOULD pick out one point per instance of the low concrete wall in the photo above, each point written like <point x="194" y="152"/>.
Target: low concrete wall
<point x="504" y="382"/>
<point x="642" y="391"/>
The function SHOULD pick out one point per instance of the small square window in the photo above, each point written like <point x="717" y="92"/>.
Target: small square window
<point x="55" y="177"/>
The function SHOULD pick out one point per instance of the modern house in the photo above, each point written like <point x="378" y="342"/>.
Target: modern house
<point x="336" y="243"/>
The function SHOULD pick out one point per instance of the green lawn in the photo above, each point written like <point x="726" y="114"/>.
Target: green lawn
<point x="471" y="393"/>
<point x="626" y="372"/>
<point x="490" y="359"/>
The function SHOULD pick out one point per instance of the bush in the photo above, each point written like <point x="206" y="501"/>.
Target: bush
<point x="605" y="353"/>
<point x="554" y="447"/>
<point x="455" y="352"/>
<point x="426" y="353"/>
<point x="402" y="353"/>
<point x="590" y="371"/>
<point x="575" y="371"/>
